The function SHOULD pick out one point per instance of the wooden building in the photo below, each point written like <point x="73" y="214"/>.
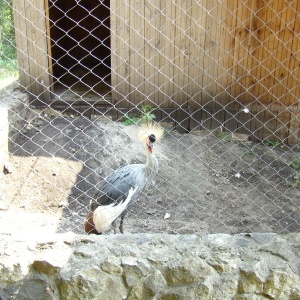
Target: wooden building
<point x="204" y="63"/>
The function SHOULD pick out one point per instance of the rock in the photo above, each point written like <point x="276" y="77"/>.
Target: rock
<point x="145" y="266"/>
<point x="187" y="271"/>
<point x="112" y="266"/>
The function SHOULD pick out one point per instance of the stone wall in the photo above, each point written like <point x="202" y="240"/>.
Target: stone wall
<point x="144" y="266"/>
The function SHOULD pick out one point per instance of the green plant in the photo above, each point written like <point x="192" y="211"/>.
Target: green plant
<point x="146" y="116"/>
<point x="222" y="135"/>
<point x="250" y="153"/>
<point x="8" y="52"/>
<point x="271" y="143"/>
<point x="130" y="120"/>
<point x="295" y="164"/>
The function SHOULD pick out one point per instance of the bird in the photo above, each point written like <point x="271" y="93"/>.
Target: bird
<point x="117" y="193"/>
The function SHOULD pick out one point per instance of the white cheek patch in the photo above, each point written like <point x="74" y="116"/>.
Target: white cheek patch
<point x="105" y="215"/>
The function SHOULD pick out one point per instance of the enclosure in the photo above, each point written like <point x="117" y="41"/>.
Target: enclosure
<point x="221" y="78"/>
<point x="200" y="62"/>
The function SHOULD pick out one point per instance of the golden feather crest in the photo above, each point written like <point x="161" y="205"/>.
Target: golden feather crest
<point x="148" y="129"/>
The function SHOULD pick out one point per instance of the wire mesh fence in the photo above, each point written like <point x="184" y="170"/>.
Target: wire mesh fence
<point x="221" y="78"/>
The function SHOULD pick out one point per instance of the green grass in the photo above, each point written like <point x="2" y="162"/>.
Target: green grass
<point x="8" y="72"/>
<point x="8" y="50"/>
<point x="8" y="65"/>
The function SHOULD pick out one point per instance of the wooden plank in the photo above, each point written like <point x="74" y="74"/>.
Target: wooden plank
<point x="197" y="54"/>
<point x="21" y="42"/>
<point x="227" y="42"/>
<point x="286" y="35"/>
<point x="257" y="125"/>
<point x="283" y="124"/>
<point x="264" y="124"/>
<point x="31" y="50"/>
<point x="167" y="30"/>
<point x="240" y="54"/>
<point x="181" y="64"/>
<point x="49" y="46"/>
<point x="41" y="60"/>
<point x="208" y="62"/>
<point x="293" y="82"/>
<point x="136" y="52"/>
<point x="151" y="39"/>
<point x="166" y="114"/>
<point x="257" y="52"/>
<point x="219" y="74"/>
<point x="214" y="52"/>
<point x="244" y="122"/>
<point x="181" y="61"/>
<point x="277" y="52"/>
<point x="119" y="52"/>
<point x="218" y="117"/>
<point x="230" y="121"/>
<point x="31" y="42"/>
<point x="182" y="118"/>
<point x="159" y="59"/>
<point x="265" y="79"/>
<point x="196" y="119"/>
<point x="270" y="120"/>
<point x="206" y="119"/>
<point x="250" y="44"/>
<point x="274" y="47"/>
<point x="294" y="129"/>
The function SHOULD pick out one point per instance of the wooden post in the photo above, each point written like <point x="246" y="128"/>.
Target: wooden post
<point x="32" y="49"/>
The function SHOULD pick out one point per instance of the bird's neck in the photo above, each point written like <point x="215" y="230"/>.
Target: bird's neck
<point x="151" y="164"/>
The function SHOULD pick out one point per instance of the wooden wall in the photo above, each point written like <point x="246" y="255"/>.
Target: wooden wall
<point x="200" y="61"/>
<point x="212" y="58"/>
<point x="32" y="48"/>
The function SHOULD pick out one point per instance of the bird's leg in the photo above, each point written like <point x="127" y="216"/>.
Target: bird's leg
<point x="121" y="222"/>
<point x="114" y="224"/>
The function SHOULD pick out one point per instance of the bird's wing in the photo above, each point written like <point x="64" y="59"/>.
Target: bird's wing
<point x="115" y="188"/>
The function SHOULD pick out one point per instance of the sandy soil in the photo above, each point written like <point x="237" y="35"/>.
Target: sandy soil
<point x="206" y="184"/>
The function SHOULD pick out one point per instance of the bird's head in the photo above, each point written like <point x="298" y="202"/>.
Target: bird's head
<point x="150" y="142"/>
<point x="89" y="226"/>
<point x="150" y="133"/>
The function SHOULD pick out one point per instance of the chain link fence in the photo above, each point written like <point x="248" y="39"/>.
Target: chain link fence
<point x="222" y="79"/>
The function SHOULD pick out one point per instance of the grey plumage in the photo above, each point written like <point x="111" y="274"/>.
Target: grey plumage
<point x="114" y="189"/>
<point x="117" y="193"/>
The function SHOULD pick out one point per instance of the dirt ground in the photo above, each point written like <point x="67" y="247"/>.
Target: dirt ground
<point x="206" y="184"/>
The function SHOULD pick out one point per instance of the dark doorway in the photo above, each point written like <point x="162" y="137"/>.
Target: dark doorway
<point x="80" y="44"/>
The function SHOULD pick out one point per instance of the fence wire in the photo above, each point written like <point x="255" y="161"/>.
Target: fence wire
<point x="221" y="78"/>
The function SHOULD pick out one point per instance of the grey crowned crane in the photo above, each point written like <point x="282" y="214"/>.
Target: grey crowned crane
<point x="117" y="193"/>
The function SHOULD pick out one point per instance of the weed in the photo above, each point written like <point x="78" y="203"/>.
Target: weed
<point x="146" y="116"/>
<point x="295" y="164"/>
<point x="222" y="135"/>
<point x="271" y="143"/>
<point x="150" y="192"/>
<point x="250" y="153"/>
<point x="293" y="184"/>
<point x="130" y="120"/>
